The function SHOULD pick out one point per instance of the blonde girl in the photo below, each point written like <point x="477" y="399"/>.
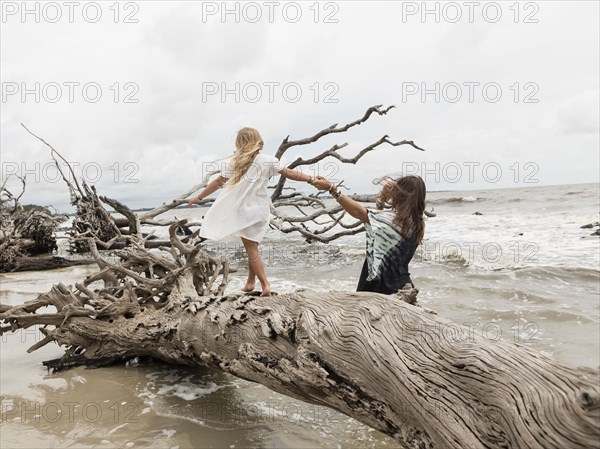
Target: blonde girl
<point x="242" y="210"/>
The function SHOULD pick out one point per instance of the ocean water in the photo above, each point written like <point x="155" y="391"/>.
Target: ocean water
<point x="522" y="269"/>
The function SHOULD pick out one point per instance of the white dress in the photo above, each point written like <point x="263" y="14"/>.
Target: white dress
<point x="242" y="210"/>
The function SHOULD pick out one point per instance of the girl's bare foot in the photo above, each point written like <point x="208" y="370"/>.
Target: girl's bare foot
<point x="248" y="288"/>
<point x="266" y="290"/>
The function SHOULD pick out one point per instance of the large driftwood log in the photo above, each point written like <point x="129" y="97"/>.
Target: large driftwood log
<point x="425" y="381"/>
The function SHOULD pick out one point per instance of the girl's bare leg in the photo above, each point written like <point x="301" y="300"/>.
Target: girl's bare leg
<point x="251" y="281"/>
<point x="256" y="265"/>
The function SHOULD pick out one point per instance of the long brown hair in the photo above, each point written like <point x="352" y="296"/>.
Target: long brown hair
<point x="248" y="144"/>
<point x="406" y="197"/>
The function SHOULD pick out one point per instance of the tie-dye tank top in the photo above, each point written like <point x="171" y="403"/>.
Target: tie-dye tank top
<point x="385" y="269"/>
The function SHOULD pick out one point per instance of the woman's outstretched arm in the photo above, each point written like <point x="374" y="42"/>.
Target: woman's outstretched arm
<point x="212" y="186"/>
<point x="354" y="208"/>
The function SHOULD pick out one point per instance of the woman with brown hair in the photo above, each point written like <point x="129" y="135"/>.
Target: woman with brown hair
<point x="393" y="233"/>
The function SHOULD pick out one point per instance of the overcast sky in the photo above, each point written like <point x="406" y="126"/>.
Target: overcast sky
<point x="499" y="95"/>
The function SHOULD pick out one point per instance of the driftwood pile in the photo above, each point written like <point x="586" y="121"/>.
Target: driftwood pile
<point x="27" y="234"/>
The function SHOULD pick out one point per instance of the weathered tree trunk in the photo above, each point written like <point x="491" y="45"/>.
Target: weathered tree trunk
<point x="396" y="368"/>
<point x="419" y="378"/>
<point x="425" y="381"/>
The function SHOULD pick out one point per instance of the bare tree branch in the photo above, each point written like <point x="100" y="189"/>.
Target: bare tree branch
<point x="333" y="129"/>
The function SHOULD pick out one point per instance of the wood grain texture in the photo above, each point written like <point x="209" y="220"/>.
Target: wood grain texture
<point x="422" y="379"/>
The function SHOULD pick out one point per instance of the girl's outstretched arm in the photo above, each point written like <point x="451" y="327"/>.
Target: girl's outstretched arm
<point x="212" y="186"/>
<point x="295" y="175"/>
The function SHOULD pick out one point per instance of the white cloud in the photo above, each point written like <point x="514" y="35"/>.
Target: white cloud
<point x="369" y="55"/>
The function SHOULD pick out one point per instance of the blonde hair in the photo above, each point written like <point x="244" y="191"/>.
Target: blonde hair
<point x="248" y="144"/>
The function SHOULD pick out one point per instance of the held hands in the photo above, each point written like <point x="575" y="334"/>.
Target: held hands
<point x="321" y="183"/>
